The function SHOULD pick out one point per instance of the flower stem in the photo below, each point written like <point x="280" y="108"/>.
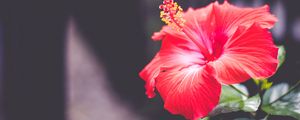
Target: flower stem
<point x="238" y="90"/>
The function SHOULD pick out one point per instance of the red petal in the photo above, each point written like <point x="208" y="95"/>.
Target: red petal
<point x="181" y="58"/>
<point x="249" y="53"/>
<point x="149" y="73"/>
<point x="229" y="17"/>
<point x="191" y="92"/>
<point x="194" y="18"/>
<point x="174" y="52"/>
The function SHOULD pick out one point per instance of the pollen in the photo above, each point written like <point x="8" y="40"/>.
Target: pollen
<point x="172" y="14"/>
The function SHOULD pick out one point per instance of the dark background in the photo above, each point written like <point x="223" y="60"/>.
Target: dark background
<point x="32" y="44"/>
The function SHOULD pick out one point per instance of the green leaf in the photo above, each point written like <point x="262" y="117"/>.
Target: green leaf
<point x="274" y="93"/>
<point x="229" y="94"/>
<point x="252" y="104"/>
<point x="282" y="100"/>
<point x="281" y="55"/>
<point x="231" y="100"/>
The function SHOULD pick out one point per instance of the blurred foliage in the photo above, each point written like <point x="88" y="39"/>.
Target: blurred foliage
<point x="282" y="100"/>
<point x="235" y="98"/>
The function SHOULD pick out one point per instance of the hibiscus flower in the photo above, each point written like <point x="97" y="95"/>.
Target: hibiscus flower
<point x="210" y="46"/>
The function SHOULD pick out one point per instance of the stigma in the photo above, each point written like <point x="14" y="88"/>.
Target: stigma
<point x="172" y="14"/>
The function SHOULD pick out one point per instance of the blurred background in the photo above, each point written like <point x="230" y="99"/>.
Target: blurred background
<point x="80" y="59"/>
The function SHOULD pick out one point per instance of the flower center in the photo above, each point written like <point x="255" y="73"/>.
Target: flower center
<point x="172" y="15"/>
<point x="218" y="42"/>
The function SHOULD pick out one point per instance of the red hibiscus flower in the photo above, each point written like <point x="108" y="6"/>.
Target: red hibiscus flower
<point x="218" y="44"/>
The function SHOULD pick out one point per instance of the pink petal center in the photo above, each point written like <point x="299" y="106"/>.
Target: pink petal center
<point x="217" y="47"/>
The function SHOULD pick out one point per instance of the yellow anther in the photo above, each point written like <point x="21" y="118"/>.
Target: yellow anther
<point x="172" y="14"/>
